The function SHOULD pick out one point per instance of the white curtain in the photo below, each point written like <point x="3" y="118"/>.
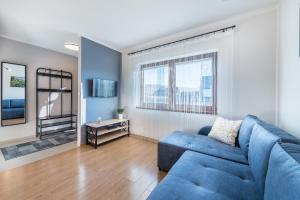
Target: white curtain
<point x="179" y="84"/>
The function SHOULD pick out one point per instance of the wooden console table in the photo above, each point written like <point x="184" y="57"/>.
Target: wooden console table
<point x="105" y="131"/>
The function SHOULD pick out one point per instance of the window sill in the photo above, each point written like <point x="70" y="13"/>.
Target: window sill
<point x="177" y="111"/>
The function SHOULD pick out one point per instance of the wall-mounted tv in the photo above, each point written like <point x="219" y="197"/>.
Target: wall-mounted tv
<point x="103" y="88"/>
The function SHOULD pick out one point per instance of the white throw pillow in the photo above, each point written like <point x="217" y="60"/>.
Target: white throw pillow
<point x="225" y="130"/>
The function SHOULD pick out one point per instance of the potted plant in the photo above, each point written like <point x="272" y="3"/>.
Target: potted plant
<point x="120" y="112"/>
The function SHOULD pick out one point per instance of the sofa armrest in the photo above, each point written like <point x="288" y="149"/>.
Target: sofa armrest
<point x="205" y="130"/>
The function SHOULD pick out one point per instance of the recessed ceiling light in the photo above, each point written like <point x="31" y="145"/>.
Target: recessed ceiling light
<point x="71" y="46"/>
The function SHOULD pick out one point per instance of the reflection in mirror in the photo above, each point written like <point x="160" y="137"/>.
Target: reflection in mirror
<point x="13" y="94"/>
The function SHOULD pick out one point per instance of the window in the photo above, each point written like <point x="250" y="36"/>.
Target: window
<point x="184" y="85"/>
<point x="156" y="86"/>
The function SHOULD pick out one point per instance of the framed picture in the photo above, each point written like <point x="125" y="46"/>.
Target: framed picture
<point x="17" y="81"/>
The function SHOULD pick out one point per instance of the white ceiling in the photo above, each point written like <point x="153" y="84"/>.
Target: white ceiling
<point x="115" y="23"/>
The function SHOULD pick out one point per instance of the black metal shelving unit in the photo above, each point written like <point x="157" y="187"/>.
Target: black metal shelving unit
<point x="54" y="124"/>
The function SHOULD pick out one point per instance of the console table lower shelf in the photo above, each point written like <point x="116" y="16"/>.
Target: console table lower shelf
<point x="105" y="131"/>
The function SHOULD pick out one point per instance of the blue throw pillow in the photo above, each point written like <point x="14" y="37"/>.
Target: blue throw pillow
<point x="283" y="177"/>
<point x="261" y="144"/>
<point x="245" y="132"/>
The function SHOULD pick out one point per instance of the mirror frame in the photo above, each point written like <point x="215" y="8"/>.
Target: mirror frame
<point x="25" y="99"/>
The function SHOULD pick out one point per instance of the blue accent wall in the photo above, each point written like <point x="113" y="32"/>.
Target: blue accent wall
<point x="98" y="61"/>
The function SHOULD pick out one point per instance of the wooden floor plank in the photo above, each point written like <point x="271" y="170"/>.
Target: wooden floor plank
<point x="123" y="169"/>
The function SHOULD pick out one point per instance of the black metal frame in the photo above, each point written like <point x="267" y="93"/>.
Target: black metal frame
<point x="25" y="87"/>
<point x="70" y="118"/>
<point x="184" y="39"/>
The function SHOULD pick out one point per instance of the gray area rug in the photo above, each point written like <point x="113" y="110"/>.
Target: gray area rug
<point x="38" y="145"/>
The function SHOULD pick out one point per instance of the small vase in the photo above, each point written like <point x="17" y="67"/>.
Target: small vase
<point x="120" y="116"/>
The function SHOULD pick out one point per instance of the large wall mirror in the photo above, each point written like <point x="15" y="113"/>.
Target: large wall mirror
<point x="13" y="94"/>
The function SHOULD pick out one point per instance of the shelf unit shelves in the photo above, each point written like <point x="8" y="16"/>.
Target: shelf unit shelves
<point x="53" y="124"/>
<point x="53" y="90"/>
<point x="105" y="131"/>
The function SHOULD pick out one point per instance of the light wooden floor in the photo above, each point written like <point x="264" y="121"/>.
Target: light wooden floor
<point x="8" y="122"/>
<point x="123" y="169"/>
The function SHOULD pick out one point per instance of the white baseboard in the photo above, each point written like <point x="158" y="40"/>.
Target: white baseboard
<point x="144" y="138"/>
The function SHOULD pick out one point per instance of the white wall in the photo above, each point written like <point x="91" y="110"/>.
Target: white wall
<point x="246" y="75"/>
<point x="33" y="57"/>
<point x="289" y="66"/>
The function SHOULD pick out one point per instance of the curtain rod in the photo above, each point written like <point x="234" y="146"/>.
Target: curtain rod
<point x="181" y="40"/>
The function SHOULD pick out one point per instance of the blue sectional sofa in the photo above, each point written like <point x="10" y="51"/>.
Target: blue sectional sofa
<point x="13" y="108"/>
<point x="264" y="165"/>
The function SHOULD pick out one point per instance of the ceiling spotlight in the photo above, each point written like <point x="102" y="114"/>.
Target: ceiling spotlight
<point x="72" y="46"/>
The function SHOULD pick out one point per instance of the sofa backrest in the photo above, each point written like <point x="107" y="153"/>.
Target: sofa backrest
<point x="284" y="136"/>
<point x="245" y="132"/>
<point x="6" y="103"/>
<point x="13" y="103"/>
<point x="261" y="144"/>
<point x="17" y="103"/>
<point x="283" y="177"/>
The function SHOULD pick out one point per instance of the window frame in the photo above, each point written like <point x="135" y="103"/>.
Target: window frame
<point x="162" y="106"/>
<point x="171" y="106"/>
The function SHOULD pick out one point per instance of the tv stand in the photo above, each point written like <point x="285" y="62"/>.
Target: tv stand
<point x="105" y="131"/>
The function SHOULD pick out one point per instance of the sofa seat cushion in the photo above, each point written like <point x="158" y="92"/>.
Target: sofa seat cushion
<point x="174" y="145"/>
<point x="12" y="113"/>
<point x="283" y="177"/>
<point x="200" y="176"/>
<point x="175" y="188"/>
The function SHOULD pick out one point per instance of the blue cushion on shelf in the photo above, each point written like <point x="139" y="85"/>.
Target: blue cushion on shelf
<point x="261" y="144"/>
<point x="175" y="144"/>
<point x="283" y="177"/>
<point x="200" y="176"/>
<point x="6" y="103"/>
<point x="17" y="103"/>
<point x="245" y="132"/>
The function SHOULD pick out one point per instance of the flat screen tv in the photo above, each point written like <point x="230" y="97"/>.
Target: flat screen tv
<point x="104" y="88"/>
